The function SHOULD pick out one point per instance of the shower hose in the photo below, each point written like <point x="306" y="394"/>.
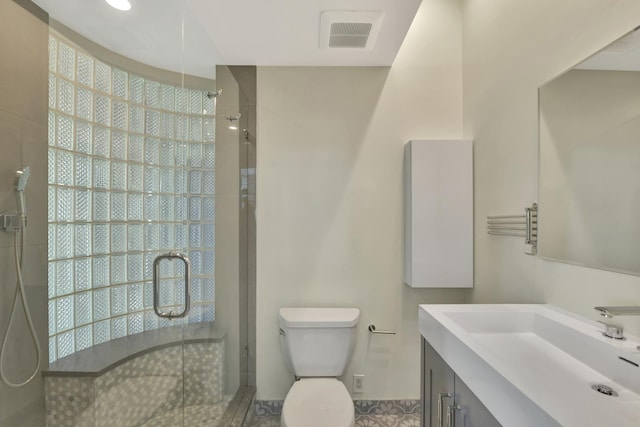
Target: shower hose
<point x="19" y="253"/>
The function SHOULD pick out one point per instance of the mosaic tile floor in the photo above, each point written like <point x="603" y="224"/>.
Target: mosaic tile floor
<point x="194" y="416"/>
<point x="405" y="420"/>
<point x="369" y="413"/>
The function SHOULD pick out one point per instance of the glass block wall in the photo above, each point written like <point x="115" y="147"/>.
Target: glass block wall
<point x="131" y="176"/>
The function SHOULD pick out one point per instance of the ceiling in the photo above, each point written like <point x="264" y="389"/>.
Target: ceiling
<point x="621" y="55"/>
<point x="196" y="35"/>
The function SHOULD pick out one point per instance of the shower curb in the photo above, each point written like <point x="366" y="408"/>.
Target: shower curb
<point x="239" y="408"/>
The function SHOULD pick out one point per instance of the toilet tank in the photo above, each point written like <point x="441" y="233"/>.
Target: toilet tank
<point x="318" y="342"/>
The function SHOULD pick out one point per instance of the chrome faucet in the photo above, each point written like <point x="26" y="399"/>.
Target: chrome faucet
<point x="609" y="312"/>
<point x="611" y="330"/>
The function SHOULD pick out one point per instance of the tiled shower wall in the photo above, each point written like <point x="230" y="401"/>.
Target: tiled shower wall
<point x="23" y="128"/>
<point x="131" y="175"/>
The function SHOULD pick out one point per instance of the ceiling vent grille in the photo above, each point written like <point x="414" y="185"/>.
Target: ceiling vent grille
<point x="349" y="29"/>
<point x="349" y="34"/>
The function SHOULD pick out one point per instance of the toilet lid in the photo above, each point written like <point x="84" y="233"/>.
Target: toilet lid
<point x="318" y="402"/>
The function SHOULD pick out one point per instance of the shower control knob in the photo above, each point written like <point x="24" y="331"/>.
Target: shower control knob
<point x="9" y="222"/>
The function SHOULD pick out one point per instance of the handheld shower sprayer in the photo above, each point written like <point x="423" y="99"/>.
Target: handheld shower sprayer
<point x="20" y="182"/>
<point x="11" y="222"/>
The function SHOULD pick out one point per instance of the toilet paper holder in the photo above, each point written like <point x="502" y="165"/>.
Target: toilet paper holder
<point x="372" y="329"/>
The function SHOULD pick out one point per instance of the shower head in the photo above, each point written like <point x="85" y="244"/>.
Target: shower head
<point x="22" y="177"/>
<point x="215" y="94"/>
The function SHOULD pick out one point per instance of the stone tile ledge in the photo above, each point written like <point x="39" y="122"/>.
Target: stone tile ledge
<point x="96" y="360"/>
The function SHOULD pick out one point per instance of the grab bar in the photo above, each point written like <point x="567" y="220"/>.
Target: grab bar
<point x="156" y="285"/>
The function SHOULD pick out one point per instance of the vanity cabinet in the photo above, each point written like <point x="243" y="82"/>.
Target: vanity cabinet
<point x="446" y="399"/>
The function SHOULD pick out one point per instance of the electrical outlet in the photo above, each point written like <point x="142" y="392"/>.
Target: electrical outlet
<point x="358" y="383"/>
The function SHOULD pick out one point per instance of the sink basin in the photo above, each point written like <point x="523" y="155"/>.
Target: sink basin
<point x="535" y="365"/>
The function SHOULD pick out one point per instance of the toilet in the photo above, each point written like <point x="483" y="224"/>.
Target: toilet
<point x="317" y="344"/>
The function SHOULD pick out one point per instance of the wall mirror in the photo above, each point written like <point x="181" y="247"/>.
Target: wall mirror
<point x="589" y="179"/>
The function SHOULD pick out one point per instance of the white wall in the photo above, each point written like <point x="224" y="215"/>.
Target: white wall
<point x="329" y="208"/>
<point x="329" y="176"/>
<point x="510" y="49"/>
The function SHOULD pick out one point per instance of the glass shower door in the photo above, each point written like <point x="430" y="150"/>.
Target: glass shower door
<point x="173" y="381"/>
<point x="149" y="389"/>
<point x="131" y="216"/>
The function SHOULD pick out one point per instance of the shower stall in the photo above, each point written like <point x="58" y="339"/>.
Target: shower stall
<point x="150" y="248"/>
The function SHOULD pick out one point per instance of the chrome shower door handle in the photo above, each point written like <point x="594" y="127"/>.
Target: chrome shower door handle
<point x="156" y="285"/>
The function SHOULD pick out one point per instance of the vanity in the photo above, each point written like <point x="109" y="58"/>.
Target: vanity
<point x="524" y="365"/>
<point x="533" y="365"/>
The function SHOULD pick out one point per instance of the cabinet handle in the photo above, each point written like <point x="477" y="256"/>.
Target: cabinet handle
<point x="441" y="396"/>
<point x="451" y="416"/>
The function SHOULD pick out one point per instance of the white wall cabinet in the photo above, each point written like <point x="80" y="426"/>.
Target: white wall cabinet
<point x="438" y="213"/>
<point x="446" y="399"/>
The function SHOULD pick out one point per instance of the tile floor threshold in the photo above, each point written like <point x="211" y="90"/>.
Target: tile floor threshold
<point x="406" y="420"/>
<point x="238" y="408"/>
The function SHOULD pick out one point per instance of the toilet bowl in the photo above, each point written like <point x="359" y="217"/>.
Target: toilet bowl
<point x="318" y="402"/>
<point x="318" y="344"/>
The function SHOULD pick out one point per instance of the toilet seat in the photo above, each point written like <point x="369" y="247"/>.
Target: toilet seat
<point x="318" y="402"/>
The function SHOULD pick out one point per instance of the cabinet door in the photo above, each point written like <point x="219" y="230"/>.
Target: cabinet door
<point x="472" y="412"/>
<point x="438" y="383"/>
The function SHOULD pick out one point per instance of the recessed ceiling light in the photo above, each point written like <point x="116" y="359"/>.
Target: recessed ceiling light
<point x="119" y="4"/>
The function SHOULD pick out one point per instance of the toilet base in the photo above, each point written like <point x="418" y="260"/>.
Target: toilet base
<point x="318" y="402"/>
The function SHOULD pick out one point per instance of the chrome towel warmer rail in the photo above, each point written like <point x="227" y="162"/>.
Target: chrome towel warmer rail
<point x="525" y="226"/>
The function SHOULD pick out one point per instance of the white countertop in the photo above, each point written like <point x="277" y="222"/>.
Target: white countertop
<point x="534" y="365"/>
